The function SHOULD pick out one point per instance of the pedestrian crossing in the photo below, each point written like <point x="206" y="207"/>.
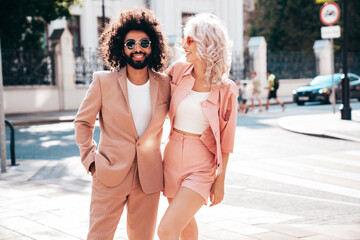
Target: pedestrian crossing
<point x="333" y="172"/>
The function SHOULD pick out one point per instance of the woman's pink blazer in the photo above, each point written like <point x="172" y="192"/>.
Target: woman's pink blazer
<point x="220" y="109"/>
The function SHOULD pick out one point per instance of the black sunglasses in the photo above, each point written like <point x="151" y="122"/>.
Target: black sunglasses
<point x="131" y="43"/>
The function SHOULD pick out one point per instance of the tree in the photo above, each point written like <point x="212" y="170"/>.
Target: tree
<point x="290" y="25"/>
<point x="22" y="22"/>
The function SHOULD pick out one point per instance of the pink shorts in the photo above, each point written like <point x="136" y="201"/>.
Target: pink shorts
<point x="188" y="163"/>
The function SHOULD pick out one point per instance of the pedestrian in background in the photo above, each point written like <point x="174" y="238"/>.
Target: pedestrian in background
<point x="273" y="86"/>
<point x="203" y="113"/>
<point x="132" y="103"/>
<point x="243" y="101"/>
<point x="238" y="85"/>
<point x="256" y="91"/>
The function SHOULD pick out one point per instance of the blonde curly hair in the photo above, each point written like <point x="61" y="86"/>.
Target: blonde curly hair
<point x="213" y="46"/>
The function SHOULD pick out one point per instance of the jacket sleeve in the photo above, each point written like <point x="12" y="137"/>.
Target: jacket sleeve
<point x="228" y="124"/>
<point x="85" y="123"/>
<point x="170" y="70"/>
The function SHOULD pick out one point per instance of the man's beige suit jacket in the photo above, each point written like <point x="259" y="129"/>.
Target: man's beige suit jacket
<point x="119" y="143"/>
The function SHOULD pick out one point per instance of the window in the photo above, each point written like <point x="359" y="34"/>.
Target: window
<point x="185" y="17"/>
<point x="74" y="27"/>
<point x="100" y="24"/>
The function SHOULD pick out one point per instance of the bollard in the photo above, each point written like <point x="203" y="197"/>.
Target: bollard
<point x="12" y="142"/>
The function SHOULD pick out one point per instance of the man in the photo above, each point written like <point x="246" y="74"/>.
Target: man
<point x="255" y="92"/>
<point x="272" y="90"/>
<point x="132" y="103"/>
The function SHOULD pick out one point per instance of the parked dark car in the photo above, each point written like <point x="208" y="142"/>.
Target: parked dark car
<point x="319" y="89"/>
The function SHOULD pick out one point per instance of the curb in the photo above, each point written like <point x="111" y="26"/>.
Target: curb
<point x="41" y="121"/>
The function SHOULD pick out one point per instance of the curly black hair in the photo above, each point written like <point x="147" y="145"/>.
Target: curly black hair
<point x="112" y="38"/>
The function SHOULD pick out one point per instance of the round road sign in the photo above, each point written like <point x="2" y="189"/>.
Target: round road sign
<point x="329" y="13"/>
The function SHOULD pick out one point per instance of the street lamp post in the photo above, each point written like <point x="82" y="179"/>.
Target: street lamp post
<point x="2" y="118"/>
<point x="103" y="14"/>
<point x="345" y="108"/>
<point x="148" y="4"/>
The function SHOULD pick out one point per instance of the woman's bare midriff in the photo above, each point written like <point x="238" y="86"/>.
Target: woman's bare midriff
<point x="186" y="133"/>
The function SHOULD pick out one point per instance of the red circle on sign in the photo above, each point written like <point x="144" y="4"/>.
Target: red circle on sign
<point x="326" y="7"/>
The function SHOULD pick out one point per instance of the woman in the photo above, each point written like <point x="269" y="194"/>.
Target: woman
<point x="203" y="113"/>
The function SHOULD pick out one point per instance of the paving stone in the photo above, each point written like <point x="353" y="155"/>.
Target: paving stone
<point x="244" y="229"/>
<point x="273" y="236"/>
<point x="6" y="233"/>
<point x="225" y="235"/>
<point x="320" y="237"/>
<point x="207" y="228"/>
<point x="343" y="232"/>
<point x="19" y="238"/>
<point x="288" y="230"/>
<point x="6" y="213"/>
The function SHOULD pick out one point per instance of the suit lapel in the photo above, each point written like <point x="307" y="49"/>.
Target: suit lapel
<point x="123" y="85"/>
<point x="153" y="91"/>
<point x="210" y="109"/>
<point x="180" y="92"/>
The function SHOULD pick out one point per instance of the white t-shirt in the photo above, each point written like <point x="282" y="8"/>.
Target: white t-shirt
<point x="140" y="104"/>
<point x="189" y="116"/>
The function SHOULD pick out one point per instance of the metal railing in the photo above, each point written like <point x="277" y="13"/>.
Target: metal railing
<point x="353" y="62"/>
<point x="86" y="63"/>
<point x="292" y="65"/>
<point x="28" y="67"/>
<point x="240" y="66"/>
<point x="12" y="143"/>
<point x="285" y="65"/>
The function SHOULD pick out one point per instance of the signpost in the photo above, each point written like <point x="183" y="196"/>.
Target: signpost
<point x="330" y="14"/>
<point x="330" y="32"/>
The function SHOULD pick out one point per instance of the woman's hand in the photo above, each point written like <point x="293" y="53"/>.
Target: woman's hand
<point x="217" y="191"/>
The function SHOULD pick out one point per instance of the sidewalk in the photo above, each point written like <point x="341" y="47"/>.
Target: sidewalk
<point x="50" y="199"/>
<point x="34" y="206"/>
<point x="324" y="125"/>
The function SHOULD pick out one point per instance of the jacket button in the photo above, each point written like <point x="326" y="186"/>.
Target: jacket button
<point x="219" y="165"/>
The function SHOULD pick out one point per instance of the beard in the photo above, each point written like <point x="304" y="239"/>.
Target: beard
<point x="137" y="64"/>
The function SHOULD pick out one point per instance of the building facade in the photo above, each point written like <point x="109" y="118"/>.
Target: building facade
<point x="87" y="20"/>
<point x="73" y="46"/>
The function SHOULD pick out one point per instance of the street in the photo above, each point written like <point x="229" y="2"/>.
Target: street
<point x="310" y="177"/>
<point x="258" y="137"/>
<point x="274" y="176"/>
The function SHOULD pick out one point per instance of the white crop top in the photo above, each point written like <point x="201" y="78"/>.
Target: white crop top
<point x="189" y="116"/>
<point x="140" y="104"/>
